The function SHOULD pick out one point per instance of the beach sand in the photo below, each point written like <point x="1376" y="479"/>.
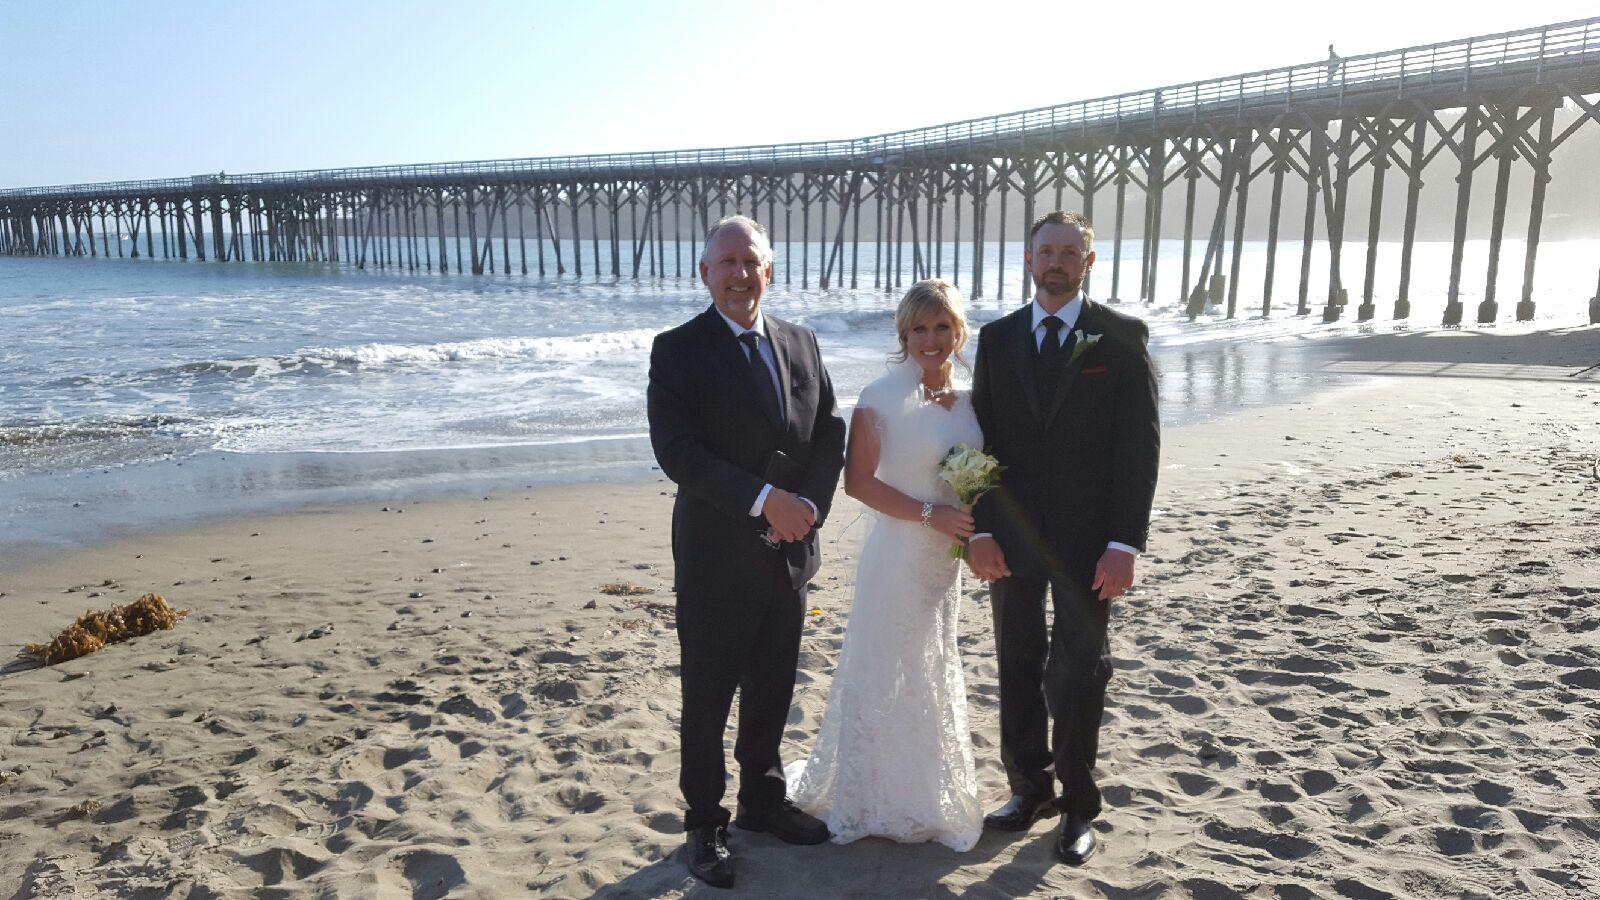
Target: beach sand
<point x="1361" y="661"/>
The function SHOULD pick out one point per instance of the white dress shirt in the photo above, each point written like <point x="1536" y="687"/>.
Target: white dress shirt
<point x="767" y="356"/>
<point x="1068" y="314"/>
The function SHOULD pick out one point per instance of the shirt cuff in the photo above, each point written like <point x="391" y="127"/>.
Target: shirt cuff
<point x="981" y="534"/>
<point x="814" y="514"/>
<point x="761" y="500"/>
<point x="1123" y="547"/>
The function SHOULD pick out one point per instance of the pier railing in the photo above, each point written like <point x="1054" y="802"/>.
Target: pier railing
<point x="1531" y="55"/>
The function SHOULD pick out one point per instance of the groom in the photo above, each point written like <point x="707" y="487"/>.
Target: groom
<point x="1066" y="396"/>
<point x="742" y="418"/>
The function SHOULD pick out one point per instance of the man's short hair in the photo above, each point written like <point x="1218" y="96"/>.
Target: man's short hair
<point x="747" y="222"/>
<point x="1058" y="217"/>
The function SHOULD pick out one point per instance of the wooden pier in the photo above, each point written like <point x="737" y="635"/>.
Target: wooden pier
<point x="1493" y="100"/>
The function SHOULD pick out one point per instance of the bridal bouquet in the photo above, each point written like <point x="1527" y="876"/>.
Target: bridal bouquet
<point x="969" y="473"/>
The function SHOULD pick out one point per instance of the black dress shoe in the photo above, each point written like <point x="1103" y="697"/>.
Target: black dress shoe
<point x="1019" y="813"/>
<point x="705" y="850"/>
<point x="785" y="822"/>
<point x="1077" y="842"/>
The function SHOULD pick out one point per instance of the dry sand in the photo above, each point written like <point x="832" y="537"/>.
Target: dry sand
<point x="1361" y="662"/>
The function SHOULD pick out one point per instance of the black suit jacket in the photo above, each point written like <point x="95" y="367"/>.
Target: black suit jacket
<point x="712" y="435"/>
<point x="1081" y="473"/>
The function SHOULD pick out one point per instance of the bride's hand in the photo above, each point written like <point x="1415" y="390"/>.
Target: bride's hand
<point x="951" y="521"/>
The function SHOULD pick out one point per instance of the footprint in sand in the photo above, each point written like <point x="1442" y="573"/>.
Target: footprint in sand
<point x="579" y="800"/>
<point x="1186" y="703"/>
<point x="1278" y="792"/>
<point x="395" y="757"/>
<point x="462" y="705"/>
<point x="1309" y="664"/>
<point x="1477" y="818"/>
<point x="1163" y="750"/>
<point x="1454" y="841"/>
<point x="1316" y="781"/>
<point x="1143" y="713"/>
<point x="1583" y="679"/>
<point x="1280" y="845"/>
<point x="1193" y="783"/>
<point x="280" y="864"/>
<point x="432" y="875"/>
<point x="1172" y="679"/>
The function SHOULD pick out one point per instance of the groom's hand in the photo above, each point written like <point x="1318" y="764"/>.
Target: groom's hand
<point x="1113" y="574"/>
<point x="986" y="560"/>
<point x="790" y="517"/>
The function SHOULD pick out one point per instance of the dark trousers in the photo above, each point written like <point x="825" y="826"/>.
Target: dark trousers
<point x="1061" y="675"/>
<point x="751" y="643"/>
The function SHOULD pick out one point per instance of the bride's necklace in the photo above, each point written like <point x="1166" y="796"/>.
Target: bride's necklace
<point x="937" y="395"/>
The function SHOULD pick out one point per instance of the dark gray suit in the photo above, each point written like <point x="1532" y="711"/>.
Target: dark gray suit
<point x="1080" y="464"/>
<point x="740" y="603"/>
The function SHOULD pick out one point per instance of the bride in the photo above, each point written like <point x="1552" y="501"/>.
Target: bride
<point x="893" y="756"/>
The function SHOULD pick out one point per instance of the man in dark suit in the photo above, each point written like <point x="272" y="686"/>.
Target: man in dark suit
<point x="1066" y="396"/>
<point x="742" y="417"/>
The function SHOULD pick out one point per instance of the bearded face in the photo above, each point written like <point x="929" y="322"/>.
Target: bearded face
<point x="1059" y="259"/>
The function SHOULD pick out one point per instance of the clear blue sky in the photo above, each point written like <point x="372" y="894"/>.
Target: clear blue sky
<point x="95" y="91"/>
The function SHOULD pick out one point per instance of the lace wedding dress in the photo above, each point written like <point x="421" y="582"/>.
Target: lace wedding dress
<point x="893" y="756"/>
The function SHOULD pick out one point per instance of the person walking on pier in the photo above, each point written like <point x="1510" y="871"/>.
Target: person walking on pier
<point x="1066" y="397"/>
<point x="1334" y="62"/>
<point x="742" y="418"/>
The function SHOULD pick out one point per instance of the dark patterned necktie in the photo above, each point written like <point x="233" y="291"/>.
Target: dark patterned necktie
<point x="762" y="375"/>
<point x="1051" y="360"/>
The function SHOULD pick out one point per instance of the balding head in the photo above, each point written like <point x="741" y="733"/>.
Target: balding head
<point x="736" y="267"/>
<point x="750" y="226"/>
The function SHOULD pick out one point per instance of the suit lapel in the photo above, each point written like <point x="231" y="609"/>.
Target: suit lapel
<point x="1085" y="324"/>
<point x="780" y="354"/>
<point x="724" y="345"/>
<point x="1024" y="352"/>
<point x="730" y="353"/>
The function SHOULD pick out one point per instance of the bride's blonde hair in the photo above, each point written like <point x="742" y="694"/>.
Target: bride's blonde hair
<point x="930" y="300"/>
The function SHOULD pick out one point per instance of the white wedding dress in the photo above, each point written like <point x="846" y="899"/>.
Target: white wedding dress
<point x="893" y="756"/>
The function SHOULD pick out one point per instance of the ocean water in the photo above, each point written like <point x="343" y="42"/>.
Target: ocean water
<point x="136" y="393"/>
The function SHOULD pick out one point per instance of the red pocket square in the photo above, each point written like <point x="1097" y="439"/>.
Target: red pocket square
<point x="1096" y="370"/>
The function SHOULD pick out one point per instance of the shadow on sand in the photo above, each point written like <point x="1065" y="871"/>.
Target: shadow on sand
<point x="1567" y="353"/>
<point x="868" y="868"/>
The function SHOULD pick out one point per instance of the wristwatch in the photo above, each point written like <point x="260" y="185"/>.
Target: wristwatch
<point x="927" y="514"/>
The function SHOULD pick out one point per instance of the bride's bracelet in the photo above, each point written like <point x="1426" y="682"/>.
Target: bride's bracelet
<point x="927" y="514"/>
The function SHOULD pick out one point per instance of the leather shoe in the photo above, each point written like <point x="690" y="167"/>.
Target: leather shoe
<point x="785" y="822"/>
<point x="1020" y="812"/>
<point x="705" y="850"/>
<point x="1077" y="841"/>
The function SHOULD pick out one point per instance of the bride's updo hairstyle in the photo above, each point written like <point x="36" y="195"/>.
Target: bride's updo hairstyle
<point x="930" y="300"/>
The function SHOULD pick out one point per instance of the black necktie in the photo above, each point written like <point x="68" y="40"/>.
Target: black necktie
<point x="1051" y="360"/>
<point x="762" y="376"/>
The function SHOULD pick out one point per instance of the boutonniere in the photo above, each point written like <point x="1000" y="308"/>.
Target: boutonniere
<point x="1083" y="343"/>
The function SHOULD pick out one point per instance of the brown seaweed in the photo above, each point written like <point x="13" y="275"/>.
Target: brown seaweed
<point x="97" y="628"/>
<point x="624" y="589"/>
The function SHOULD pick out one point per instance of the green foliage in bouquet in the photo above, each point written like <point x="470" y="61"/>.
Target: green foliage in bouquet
<point x="969" y="473"/>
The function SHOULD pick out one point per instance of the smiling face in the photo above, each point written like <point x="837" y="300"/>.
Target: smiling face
<point x="1058" y="260"/>
<point x="931" y="327"/>
<point x="736" y="268"/>
<point x="931" y="339"/>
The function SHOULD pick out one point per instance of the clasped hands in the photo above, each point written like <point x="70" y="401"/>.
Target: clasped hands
<point x="788" y="517"/>
<point x="986" y="560"/>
